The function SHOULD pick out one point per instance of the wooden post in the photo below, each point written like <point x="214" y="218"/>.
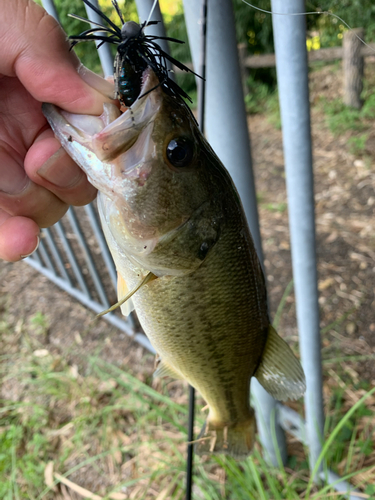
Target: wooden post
<point x="242" y="55"/>
<point x="353" y="67"/>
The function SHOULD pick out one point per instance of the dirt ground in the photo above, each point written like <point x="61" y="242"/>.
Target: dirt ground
<point x="345" y="226"/>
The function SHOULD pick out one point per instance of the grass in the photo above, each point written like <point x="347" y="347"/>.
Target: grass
<point x="342" y="119"/>
<point x="121" y="437"/>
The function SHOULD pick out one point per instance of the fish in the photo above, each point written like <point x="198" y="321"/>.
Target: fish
<point x="185" y="258"/>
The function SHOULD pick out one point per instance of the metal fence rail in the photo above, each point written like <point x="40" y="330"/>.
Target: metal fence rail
<point x="65" y="254"/>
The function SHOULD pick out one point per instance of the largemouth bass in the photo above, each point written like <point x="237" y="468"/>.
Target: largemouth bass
<point x="175" y="226"/>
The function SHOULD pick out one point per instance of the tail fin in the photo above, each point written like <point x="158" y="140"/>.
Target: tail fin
<point x="235" y="440"/>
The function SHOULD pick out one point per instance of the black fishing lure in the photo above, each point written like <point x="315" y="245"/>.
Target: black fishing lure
<point x="135" y="52"/>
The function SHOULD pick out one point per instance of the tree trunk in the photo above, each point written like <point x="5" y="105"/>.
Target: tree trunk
<point x="353" y="68"/>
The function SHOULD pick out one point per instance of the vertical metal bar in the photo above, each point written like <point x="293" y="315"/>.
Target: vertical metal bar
<point x="46" y="258"/>
<point x="104" y="51"/>
<point x="36" y="257"/>
<point x="292" y="75"/>
<point x="227" y="131"/>
<point x="56" y="255"/>
<point x="72" y="259"/>
<point x="144" y="8"/>
<point x="90" y="211"/>
<point x="90" y="262"/>
<point x="49" y="6"/>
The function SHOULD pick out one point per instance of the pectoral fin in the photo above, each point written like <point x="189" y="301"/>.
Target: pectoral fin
<point x="165" y="370"/>
<point x="144" y="280"/>
<point x="123" y="291"/>
<point x="279" y="371"/>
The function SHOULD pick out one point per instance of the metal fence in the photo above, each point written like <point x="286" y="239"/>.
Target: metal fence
<point x="66" y="257"/>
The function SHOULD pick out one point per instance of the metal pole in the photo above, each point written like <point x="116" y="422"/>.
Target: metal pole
<point x="226" y="128"/>
<point x="49" y="6"/>
<point x="292" y="76"/>
<point x="104" y="52"/>
<point x="89" y="260"/>
<point x="56" y="254"/>
<point x="106" y="254"/>
<point x="144" y="8"/>
<point x="72" y="259"/>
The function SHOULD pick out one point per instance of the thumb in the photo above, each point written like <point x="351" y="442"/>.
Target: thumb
<point x="34" y="48"/>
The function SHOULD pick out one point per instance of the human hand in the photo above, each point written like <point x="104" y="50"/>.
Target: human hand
<point x="38" y="180"/>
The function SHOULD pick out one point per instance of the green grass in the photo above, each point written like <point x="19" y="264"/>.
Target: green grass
<point x="108" y="401"/>
<point x="108" y="431"/>
<point x="342" y="119"/>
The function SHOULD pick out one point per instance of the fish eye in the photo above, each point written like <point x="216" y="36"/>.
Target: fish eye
<point x="180" y="152"/>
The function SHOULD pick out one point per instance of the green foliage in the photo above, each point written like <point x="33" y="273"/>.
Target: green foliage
<point x="357" y="143"/>
<point x="254" y="27"/>
<point x="342" y="119"/>
<point x="256" y="98"/>
<point x="272" y="110"/>
<point x="40" y="323"/>
<point x="276" y="207"/>
<point x="356" y="13"/>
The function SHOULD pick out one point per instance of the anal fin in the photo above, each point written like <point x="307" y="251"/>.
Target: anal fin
<point x="279" y="371"/>
<point x="165" y="370"/>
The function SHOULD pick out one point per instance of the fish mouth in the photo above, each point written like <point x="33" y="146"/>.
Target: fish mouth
<point x="97" y="142"/>
<point x="114" y="132"/>
<point x="119" y="130"/>
<point x="150" y="82"/>
<point x="150" y="90"/>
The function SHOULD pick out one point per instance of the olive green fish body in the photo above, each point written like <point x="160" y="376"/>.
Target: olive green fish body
<point x="208" y="325"/>
<point x="177" y="232"/>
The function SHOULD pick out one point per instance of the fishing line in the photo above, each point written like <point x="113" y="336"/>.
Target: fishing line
<point x="318" y="12"/>
<point x="151" y="11"/>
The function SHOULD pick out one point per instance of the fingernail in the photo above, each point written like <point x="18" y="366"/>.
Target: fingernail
<point x="63" y="174"/>
<point x="35" y="249"/>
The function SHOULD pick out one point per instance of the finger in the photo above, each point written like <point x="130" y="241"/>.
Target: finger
<point x="19" y="196"/>
<point x="19" y="237"/>
<point x="48" y="165"/>
<point x="35" y="49"/>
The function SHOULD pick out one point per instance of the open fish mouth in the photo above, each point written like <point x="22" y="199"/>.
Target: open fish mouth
<point x="111" y="134"/>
